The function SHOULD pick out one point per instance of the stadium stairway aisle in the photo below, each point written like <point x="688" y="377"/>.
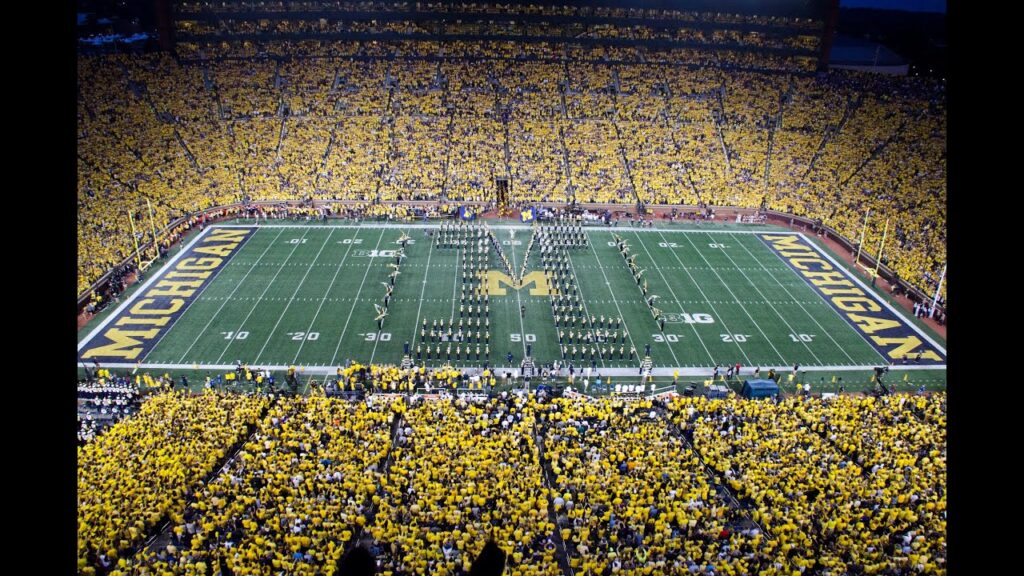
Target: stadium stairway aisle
<point x="162" y="531"/>
<point x="562" y="556"/>
<point x="363" y="536"/>
<point x="721" y="490"/>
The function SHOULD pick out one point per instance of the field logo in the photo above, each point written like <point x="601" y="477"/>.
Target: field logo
<point x="495" y="280"/>
<point x="887" y="331"/>
<point x="136" y="328"/>
<point x="375" y="253"/>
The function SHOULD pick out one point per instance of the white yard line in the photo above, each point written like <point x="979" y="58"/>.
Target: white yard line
<point x="827" y="333"/>
<point x="522" y="327"/>
<point x="679" y="303"/>
<point x="735" y="299"/>
<point x="349" y="319"/>
<point x="629" y="333"/>
<point x="579" y="289"/>
<point x="706" y="299"/>
<point x="195" y="298"/>
<point x="459" y="254"/>
<point x="430" y="252"/>
<point x="184" y="250"/>
<point x="377" y="340"/>
<point x="226" y="300"/>
<point x="770" y="305"/>
<point x="262" y="294"/>
<point x="324" y="299"/>
<point x="159" y="273"/>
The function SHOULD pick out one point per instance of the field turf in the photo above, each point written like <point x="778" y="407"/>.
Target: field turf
<point x="297" y="294"/>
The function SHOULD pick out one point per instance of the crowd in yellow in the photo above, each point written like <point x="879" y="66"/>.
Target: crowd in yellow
<point x="388" y="378"/>
<point x="145" y="467"/>
<point x="195" y="31"/>
<point x="196" y="48"/>
<point x="629" y="496"/>
<point x="462" y="474"/>
<point x="291" y="499"/>
<point x="852" y="484"/>
<point x="188" y="136"/>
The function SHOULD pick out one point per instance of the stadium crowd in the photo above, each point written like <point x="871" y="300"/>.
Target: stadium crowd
<point x="292" y="498"/>
<point x="464" y="473"/>
<point x="412" y="119"/>
<point x="849" y="484"/>
<point x="143" y="468"/>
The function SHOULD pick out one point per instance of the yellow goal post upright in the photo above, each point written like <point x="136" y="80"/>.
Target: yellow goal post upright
<point x="860" y="244"/>
<point x="142" y="266"/>
<point x="881" y="248"/>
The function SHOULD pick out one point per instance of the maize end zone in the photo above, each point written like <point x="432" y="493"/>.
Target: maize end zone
<point x="304" y="294"/>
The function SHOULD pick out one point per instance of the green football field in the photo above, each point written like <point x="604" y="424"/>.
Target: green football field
<point x="304" y="295"/>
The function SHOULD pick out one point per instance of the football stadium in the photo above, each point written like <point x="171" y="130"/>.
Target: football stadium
<point x="525" y="288"/>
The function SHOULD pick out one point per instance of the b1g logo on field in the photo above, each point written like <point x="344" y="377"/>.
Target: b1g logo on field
<point x="697" y="318"/>
<point x="374" y="253"/>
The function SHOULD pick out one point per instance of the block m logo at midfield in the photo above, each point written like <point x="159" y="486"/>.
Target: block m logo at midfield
<point x="496" y="279"/>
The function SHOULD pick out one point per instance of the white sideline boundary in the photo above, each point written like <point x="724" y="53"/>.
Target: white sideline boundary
<point x="500" y="227"/>
<point x="662" y="371"/>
